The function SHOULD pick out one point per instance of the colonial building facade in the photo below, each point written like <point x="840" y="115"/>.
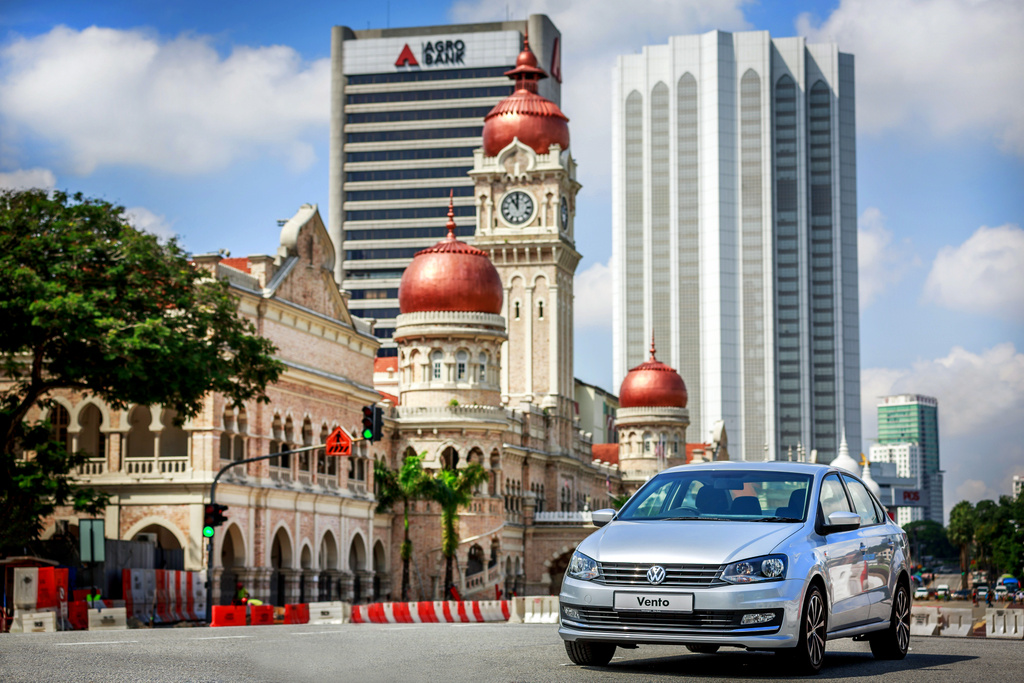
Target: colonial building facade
<point x="484" y="374"/>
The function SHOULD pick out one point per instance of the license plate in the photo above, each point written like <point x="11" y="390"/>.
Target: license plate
<point x="654" y="602"/>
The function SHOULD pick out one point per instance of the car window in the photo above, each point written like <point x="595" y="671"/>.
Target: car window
<point x="832" y="498"/>
<point x="862" y="502"/>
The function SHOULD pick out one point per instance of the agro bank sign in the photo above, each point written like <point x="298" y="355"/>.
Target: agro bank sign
<point x="421" y="53"/>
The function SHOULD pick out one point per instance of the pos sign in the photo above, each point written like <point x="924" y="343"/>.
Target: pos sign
<point x="907" y="498"/>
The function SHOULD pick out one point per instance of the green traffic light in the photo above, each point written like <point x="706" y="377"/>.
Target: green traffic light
<point x="367" y="433"/>
<point x="208" y="531"/>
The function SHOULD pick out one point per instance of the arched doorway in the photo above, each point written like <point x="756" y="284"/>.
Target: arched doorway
<point x="232" y="557"/>
<point x="557" y="571"/>
<point x="327" y="560"/>
<point x="379" y="569"/>
<point x="306" y="563"/>
<point x="90" y="438"/>
<point x="280" y="558"/>
<point x="357" y="565"/>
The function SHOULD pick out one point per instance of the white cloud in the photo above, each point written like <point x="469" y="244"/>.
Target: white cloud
<point x="985" y="274"/>
<point x="594" y="33"/>
<point x="881" y="263"/>
<point x="981" y="435"/>
<point x="592" y="305"/>
<point x="113" y="97"/>
<point x="950" y="66"/>
<point x="143" y="219"/>
<point x="27" y="179"/>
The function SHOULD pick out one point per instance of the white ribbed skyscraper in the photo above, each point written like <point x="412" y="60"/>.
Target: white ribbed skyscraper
<point x="735" y="234"/>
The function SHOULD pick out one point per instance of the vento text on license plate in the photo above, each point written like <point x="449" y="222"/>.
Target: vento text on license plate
<point x="654" y="602"/>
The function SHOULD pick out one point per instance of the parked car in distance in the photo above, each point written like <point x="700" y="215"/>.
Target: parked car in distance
<point x="1001" y="593"/>
<point x="921" y="593"/>
<point x="942" y="591"/>
<point x="962" y="595"/>
<point x="775" y="556"/>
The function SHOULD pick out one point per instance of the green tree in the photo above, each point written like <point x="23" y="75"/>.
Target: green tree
<point x="961" y="535"/>
<point x="1008" y="547"/>
<point x="405" y="484"/>
<point x="929" y="538"/>
<point x="988" y="519"/>
<point x="90" y="304"/>
<point x="452" y="489"/>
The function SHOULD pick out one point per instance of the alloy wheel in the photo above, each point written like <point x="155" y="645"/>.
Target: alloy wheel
<point x="815" y="629"/>
<point x="902" y="620"/>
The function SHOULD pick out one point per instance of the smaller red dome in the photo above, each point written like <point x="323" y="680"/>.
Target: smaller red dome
<point x="535" y="120"/>
<point x="652" y="384"/>
<point x="450" y="276"/>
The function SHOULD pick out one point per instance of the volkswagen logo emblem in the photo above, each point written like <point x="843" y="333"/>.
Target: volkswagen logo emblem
<point x="656" y="574"/>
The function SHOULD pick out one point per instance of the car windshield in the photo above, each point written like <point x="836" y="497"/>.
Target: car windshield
<point x="734" y="495"/>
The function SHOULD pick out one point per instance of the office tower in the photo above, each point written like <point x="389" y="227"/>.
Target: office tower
<point x="906" y="457"/>
<point x="407" y="110"/>
<point x="914" y="419"/>
<point x="735" y="234"/>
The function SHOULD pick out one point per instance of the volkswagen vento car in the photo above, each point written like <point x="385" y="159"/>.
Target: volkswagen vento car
<point x="764" y="556"/>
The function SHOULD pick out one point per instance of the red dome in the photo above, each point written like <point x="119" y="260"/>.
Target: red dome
<point x="535" y="120"/>
<point x="450" y="276"/>
<point x="652" y="384"/>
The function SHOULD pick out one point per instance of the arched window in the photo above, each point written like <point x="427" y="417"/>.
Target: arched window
<point x="435" y="363"/>
<point x="59" y="421"/>
<point x="241" y="427"/>
<point x="91" y="439"/>
<point x="516" y="315"/>
<point x="482" y="374"/>
<point x="648" y="443"/>
<point x="540" y="310"/>
<point x="461" y="362"/>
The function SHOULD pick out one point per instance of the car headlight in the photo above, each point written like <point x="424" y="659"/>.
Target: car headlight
<point x="766" y="568"/>
<point x="582" y="567"/>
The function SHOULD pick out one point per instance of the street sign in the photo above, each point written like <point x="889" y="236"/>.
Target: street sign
<point x="339" y="443"/>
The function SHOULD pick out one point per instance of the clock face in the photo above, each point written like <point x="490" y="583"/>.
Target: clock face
<point x="564" y="213"/>
<point x="517" y="207"/>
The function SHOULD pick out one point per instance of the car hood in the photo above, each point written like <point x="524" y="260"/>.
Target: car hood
<point x="685" y="542"/>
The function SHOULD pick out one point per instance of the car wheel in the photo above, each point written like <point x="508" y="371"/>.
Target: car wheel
<point x="703" y="649"/>
<point x="589" y="654"/>
<point x="809" y="653"/>
<point x="893" y="642"/>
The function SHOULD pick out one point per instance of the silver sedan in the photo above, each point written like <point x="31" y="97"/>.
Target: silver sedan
<point x="764" y="556"/>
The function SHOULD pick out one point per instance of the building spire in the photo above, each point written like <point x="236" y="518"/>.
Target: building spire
<point x="451" y="214"/>
<point x="652" y="345"/>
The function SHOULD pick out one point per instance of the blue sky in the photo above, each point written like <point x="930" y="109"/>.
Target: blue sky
<point x="210" y="121"/>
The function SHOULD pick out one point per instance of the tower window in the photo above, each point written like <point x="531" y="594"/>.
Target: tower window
<point x="435" y="362"/>
<point x="540" y="310"/>
<point x="517" y="311"/>
<point x="461" y="360"/>
<point x="483" y="368"/>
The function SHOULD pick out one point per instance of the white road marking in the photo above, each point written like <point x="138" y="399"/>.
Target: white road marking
<point x="101" y="642"/>
<point x="316" y="633"/>
<point x="221" y="637"/>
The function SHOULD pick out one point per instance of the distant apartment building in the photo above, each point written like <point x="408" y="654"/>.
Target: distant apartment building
<point x="1018" y="485"/>
<point x="407" y="111"/>
<point x="905" y="458"/>
<point x="596" y="411"/>
<point x="734" y="217"/>
<point x="908" y="432"/>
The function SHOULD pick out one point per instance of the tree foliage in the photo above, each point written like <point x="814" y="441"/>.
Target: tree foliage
<point x="406" y="484"/>
<point x="452" y="489"/>
<point x="961" y="532"/>
<point x="90" y="304"/>
<point x="928" y="538"/>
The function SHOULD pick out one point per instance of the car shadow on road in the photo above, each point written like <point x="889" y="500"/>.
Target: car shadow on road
<point x="765" y="665"/>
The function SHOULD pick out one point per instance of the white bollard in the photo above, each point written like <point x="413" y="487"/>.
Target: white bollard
<point x="925" y="621"/>
<point x="1004" y="623"/>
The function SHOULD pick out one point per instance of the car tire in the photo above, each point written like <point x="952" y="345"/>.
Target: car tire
<point x="893" y="642"/>
<point x="809" y="653"/>
<point x="703" y="649"/>
<point x="589" y="654"/>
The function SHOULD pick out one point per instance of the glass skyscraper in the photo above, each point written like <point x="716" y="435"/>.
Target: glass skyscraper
<point x="407" y="111"/>
<point x="914" y="419"/>
<point x="735" y="234"/>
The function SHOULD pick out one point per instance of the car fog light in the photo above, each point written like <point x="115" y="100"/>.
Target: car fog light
<point x="571" y="613"/>
<point x="757" y="618"/>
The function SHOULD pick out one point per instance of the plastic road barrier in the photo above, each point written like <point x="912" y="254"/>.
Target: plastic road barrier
<point x="261" y="615"/>
<point x="472" y="611"/>
<point x="112" y="619"/>
<point x="1005" y="623"/>
<point x="541" y="610"/>
<point x="296" y="614"/>
<point x="34" y="622"/>
<point x="958" y="622"/>
<point x="925" y="621"/>
<point x="39" y="588"/>
<point x="327" y="612"/>
<point x="228" y="615"/>
<point x="78" y="615"/>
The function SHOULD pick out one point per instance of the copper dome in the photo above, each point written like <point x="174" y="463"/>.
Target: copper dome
<point x="450" y="276"/>
<point x="535" y="120"/>
<point x="652" y="384"/>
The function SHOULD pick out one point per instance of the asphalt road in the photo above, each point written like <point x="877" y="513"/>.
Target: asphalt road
<point x="452" y="653"/>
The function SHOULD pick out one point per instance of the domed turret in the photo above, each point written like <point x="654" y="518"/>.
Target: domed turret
<point x="450" y="276"/>
<point x="535" y="120"/>
<point x="652" y="384"/>
<point x="844" y="461"/>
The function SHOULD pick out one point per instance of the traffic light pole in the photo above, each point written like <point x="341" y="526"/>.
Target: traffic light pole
<point x="213" y="500"/>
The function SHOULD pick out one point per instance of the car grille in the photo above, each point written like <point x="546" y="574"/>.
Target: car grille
<point x="698" y="621"/>
<point x="676" y="575"/>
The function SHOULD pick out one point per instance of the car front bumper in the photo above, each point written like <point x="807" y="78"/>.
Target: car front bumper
<point x="715" y="619"/>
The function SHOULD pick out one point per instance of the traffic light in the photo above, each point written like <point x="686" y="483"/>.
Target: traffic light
<point x="378" y="423"/>
<point x="367" y="430"/>
<point x="213" y="516"/>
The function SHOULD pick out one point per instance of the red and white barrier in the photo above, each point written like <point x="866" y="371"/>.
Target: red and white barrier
<point x="40" y="588"/>
<point x="165" y="595"/>
<point x="472" y="611"/>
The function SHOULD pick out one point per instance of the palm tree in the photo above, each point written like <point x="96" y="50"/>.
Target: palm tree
<point x="405" y="484"/>
<point x="452" y="489"/>
<point x="961" y="534"/>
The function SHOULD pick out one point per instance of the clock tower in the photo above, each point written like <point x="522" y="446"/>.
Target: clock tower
<point x="525" y="189"/>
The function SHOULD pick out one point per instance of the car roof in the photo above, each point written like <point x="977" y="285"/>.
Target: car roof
<point x="747" y="466"/>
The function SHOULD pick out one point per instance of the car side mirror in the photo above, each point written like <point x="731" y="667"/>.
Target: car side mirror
<point x="842" y="521"/>
<point x="601" y="517"/>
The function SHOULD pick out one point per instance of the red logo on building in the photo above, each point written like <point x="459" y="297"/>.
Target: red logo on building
<point x="406" y="58"/>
